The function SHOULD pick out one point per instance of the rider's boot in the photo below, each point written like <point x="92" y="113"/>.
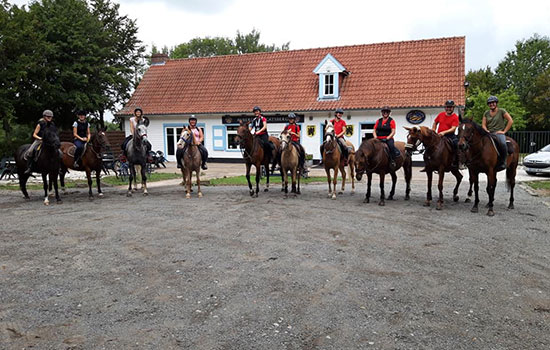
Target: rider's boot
<point x="30" y="164"/>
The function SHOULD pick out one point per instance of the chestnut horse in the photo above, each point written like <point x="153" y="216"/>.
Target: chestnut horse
<point x="483" y="158"/>
<point x="47" y="163"/>
<point x="253" y="154"/>
<point x="438" y="156"/>
<point x="90" y="160"/>
<point x="190" y="161"/>
<point x="290" y="162"/>
<point x="373" y="157"/>
<point x="332" y="159"/>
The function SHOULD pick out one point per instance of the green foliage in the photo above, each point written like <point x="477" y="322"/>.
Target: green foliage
<point x="538" y="102"/>
<point x="508" y="99"/>
<point x="482" y="79"/>
<point x="207" y="47"/>
<point x="17" y="135"/>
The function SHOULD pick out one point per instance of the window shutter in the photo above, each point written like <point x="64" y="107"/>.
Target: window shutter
<point x="218" y="137"/>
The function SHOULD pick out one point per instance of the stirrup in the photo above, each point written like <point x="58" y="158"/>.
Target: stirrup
<point x="204" y="166"/>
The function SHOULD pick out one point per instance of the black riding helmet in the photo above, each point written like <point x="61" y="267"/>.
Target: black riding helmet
<point x="256" y="108"/>
<point x="339" y="110"/>
<point x="291" y="116"/>
<point x="81" y="112"/>
<point x="192" y="117"/>
<point x="450" y="103"/>
<point x="138" y="109"/>
<point x="492" y="99"/>
<point x="385" y="109"/>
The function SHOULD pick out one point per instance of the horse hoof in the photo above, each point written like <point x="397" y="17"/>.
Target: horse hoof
<point x="90" y="198"/>
<point x="255" y="195"/>
<point x="390" y="198"/>
<point x="188" y="195"/>
<point x="251" y="193"/>
<point x="100" y="195"/>
<point x="333" y="196"/>
<point x="282" y="189"/>
<point x="129" y="194"/>
<point x="59" y="201"/>
<point x="439" y="206"/>
<point x="340" y="192"/>
<point x="200" y="194"/>
<point x="266" y="189"/>
<point x="475" y="210"/>
<point x="381" y="203"/>
<point x="366" y="200"/>
<point x="145" y="193"/>
<point x="456" y="198"/>
<point x="298" y="192"/>
<point x="511" y="206"/>
<point x="490" y="212"/>
<point x="46" y="203"/>
<point x="427" y="203"/>
<point x="467" y="200"/>
<point x="407" y="197"/>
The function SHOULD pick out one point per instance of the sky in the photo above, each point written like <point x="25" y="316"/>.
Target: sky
<point x="491" y="27"/>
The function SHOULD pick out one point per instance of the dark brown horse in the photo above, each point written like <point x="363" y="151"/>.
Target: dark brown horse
<point x="438" y="156"/>
<point x="373" y="157"/>
<point x="90" y="160"/>
<point x="290" y="162"/>
<point x="253" y="154"/>
<point x="333" y="160"/>
<point x="190" y="162"/>
<point x="482" y="157"/>
<point x="48" y="164"/>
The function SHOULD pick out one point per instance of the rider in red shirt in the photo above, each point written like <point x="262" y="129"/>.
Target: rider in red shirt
<point x="294" y="130"/>
<point x="258" y="127"/>
<point x="446" y="124"/>
<point x="339" y="131"/>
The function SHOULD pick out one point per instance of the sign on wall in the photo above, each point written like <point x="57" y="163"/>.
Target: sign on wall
<point x="311" y="130"/>
<point x="416" y="116"/>
<point x="349" y="130"/>
<point x="271" y="118"/>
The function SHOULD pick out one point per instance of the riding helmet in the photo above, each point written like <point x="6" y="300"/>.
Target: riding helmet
<point x="256" y="108"/>
<point x="138" y="109"/>
<point x="385" y="108"/>
<point x="492" y="99"/>
<point x="81" y="112"/>
<point x="450" y="103"/>
<point x="291" y="116"/>
<point x="192" y="117"/>
<point x="47" y="113"/>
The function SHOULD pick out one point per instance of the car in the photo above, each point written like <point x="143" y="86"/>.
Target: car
<point x="538" y="162"/>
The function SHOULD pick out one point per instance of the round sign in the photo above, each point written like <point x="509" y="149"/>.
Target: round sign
<point x="416" y="116"/>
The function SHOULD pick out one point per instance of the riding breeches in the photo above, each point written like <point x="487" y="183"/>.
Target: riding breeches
<point x="301" y="153"/>
<point x="79" y="148"/>
<point x="394" y="152"/>
<point x="30" y="151"/>
<point x="501" y="146"/>
<point x="266" y="145"/>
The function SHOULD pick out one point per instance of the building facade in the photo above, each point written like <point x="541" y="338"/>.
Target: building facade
<point x="414" y="78"/>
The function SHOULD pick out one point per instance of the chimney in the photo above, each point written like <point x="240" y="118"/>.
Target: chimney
<point x="158" y="59"/>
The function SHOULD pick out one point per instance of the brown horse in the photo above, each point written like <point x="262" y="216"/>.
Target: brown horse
<point x="373" y="157"/>
<point x="482" y="157"/>
<point x="290" y="162"/>
<point x="91" y="160"/>
<point x="190" y="161"/>
<point x="332" y="159"/>
<point x="253" y="154"/>
<point x="438" y="156"/>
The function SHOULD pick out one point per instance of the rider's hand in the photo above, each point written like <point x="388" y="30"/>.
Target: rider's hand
<point x="500" y="132"/>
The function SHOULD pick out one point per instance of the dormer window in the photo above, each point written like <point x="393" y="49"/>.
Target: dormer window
<point x="329" y="72"/>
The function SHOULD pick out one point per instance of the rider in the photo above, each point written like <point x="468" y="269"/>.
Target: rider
<point x="199" y="137"/>
<point x="45" y="122"/>
<point x="81" y="134"/>
<point x="259" y="128"/>
<point x="134" y="122"/>
<point x="446" y="124"/>
<point x="339" y="131"/>
<point x="384" y="130"/>
<point x="294" y="131"/>
<point x="497" y="121"/>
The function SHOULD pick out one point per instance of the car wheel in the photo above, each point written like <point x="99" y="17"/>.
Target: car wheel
<point x="530" y="173"/>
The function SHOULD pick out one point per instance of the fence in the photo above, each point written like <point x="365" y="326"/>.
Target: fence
<point x="530" y="141"/>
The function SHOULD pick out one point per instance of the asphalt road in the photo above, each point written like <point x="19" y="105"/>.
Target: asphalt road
<point x="228" y="271"/>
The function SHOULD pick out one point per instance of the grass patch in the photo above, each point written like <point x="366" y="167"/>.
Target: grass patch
<point x="539" y="185"/>
<point x="241" y="180"/>
<point x="105" y="181"/>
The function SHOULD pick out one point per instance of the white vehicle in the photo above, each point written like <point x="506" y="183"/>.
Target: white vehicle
<point x="538" y="162"/>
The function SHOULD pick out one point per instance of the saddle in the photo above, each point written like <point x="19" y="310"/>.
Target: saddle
<point x="72" y="149"/>
<point x="509" y="145"/>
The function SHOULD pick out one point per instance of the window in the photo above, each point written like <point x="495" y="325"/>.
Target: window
<point x="172" y="137"/>
<point x="231" y="135"/>
<point x="329" y="84"/>
<point x="366" y="131"/>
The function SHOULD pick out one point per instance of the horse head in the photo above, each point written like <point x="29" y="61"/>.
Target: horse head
<point x="285" y="139"/>
<point x="414" y="138"/>
<point x="329" y="132"/>
<point x="50" y="138"/>
<point x="361" y="162"/>
<point x="187" y="136"/>
<point x="99" y="139"/>
<point x="243" y="133"/>
<point x="466" y="134"/>
<point x="140" y="134"/>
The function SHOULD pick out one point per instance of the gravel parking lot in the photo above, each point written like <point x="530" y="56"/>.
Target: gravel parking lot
<point x="231" y="272"/>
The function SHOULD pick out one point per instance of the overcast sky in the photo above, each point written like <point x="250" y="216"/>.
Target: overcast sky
<point x="491" y="27"/>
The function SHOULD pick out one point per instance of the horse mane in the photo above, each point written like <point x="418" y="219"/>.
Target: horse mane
<point x="476" y="126"/>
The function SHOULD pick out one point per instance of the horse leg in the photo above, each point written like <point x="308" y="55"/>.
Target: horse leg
<point x="429" y="174"/>
<point x="470" y="191"/>
<point x="23" y="184"/>
<point x="458" y="177"/>
<point x="511" y="180"/>
<point x="198" y="184"/>
<point x="130" y="178"/>
<point x="393" y="183"/>
<point x="98" y="182"/>
<point x="335" y="182"/>
<point x="293" y="174"/>
<point x="474" y="177"/>
<point x="53" y="178"/>
<point x="258" y="175"/>
<point x="188" y="173"/>
<point x="285" y="181"/>
<point x="89" y="177"/>
<point x="299" y="176"/>
<point x="327" y="170"/>
<point x="369" y="181"/>
<point x="382" y="194"/>
<point x="343" y="171"/>
<point x="407" y="169"/>
<point x="267" y="173"/>
<point x="441" y="171"/>
<point x="248" y="165"/>
<point x="491" y="186"/>
<point x="45" y="183"/>
<point x="352" y="174"/>
<point x="144" y="179"/>
<point x="62" y="173"/>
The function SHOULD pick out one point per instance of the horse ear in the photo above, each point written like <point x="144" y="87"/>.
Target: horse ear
<point x="146" y="121"/>
<point x="326" y="122"/>
<point x="407" y="128"/>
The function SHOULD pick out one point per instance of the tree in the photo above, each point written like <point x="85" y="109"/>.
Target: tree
<point x="538" y="102"/>
<point x="508" y="99"/>
<point x="208" y="47"/>
<point x="521" y="66"/>
<point x="482" y="79"/>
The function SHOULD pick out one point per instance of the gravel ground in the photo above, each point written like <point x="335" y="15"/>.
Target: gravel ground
<point x="231" y="272"/>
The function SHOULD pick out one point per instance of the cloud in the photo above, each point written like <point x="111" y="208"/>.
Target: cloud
<point x="196" y="6"/>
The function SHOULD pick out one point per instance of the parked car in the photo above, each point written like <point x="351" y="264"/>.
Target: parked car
<point x="538" y="162"/>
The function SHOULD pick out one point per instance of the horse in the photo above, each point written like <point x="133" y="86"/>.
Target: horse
<point x="136" y="153"/>
<point x="290" y="162"/>
<point x="253" y="154"/>
<point x="373" y="157"/>
<point x="482" y="157"/>
<point x="332" y="159"/>
<point x="190" y="161"/>
<point x="48" y="164"/>
<point x="91" y="159"/>
<point x="438" y="156"/>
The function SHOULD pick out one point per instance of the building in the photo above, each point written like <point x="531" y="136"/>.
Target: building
<point x="414" y="78"/>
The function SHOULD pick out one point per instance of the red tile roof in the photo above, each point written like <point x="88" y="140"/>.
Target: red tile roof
<point x="420" y="73"/>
